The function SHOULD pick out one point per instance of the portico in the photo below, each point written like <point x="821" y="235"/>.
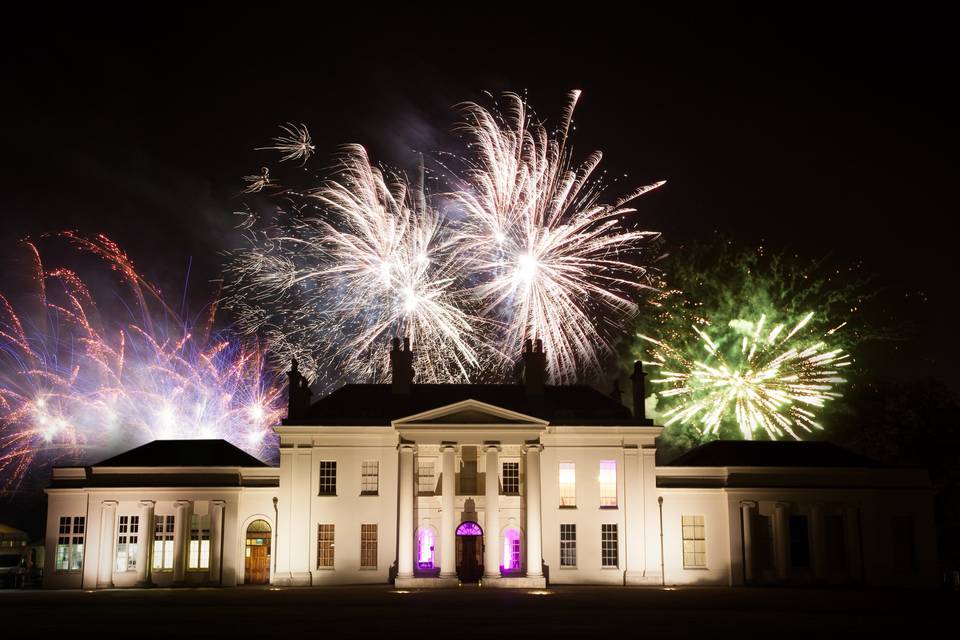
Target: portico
<point x="468" y="442"/>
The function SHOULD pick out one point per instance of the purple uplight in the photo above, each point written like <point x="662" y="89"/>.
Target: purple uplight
<point x="511" y="551"/>
<point x="425" y="546"/>
<point x="469" y="529"/>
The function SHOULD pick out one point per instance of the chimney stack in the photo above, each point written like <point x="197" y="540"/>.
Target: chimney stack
<point x="401" y="367"/>
<point x="298" y="393"/>
<point x="639" y="391"/>
<point x="534" y="367"/>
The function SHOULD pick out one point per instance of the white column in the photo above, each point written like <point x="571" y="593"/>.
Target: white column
<point x="851" y="530"/>
<point x="633" y="516"/>
<point x="782" y="541"/>
<point x="491" y="518"/>
<point x="181" y="534"/>
<point x="448" y="524"/>
<point x="534" y="525"/>
<point x="145" y="543"/>
<point x="108" y="528"/>
<point x="746" y="511"/>
<point x="216" y="539"/>
<point x="817" y="539"/>
<point x="405" y="531"/>
<point x="654" y="560"/>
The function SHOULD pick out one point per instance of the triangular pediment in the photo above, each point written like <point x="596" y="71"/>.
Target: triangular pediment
<point x="470" y="412"/>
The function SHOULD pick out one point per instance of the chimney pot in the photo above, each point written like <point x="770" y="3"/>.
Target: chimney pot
<point x="534" y="367"/>
<point x="639" y="391"/>
<point x="401" y="367"/>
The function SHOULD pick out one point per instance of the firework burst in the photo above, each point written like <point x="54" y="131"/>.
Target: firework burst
<point x="360" y="259"/>
<point x="552" y="260"/>
<point x="79" y="382"/>
<point x="294" y="144"/>
<point x="761" y="378"/>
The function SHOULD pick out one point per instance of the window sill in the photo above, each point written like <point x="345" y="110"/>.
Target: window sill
<point x="325" y="568"/>
<point x="368" y="493"/>
<point x="613" y="568"/>
<point x="567" y="506"/>
<point x="326" y="495"/>
<point x="568" y="568"/>
<point x="609" y="508"/>
<point x="696" y="568"/>
<point x="367" y="569"/>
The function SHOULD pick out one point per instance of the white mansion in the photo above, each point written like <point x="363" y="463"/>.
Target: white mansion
<point x="507" y="485"/>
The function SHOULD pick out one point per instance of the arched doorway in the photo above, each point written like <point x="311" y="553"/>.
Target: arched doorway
<point x="256" y="563"/>
<point x="469" y="552"/>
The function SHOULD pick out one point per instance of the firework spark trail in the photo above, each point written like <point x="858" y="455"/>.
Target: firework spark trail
<point x="554" y="261"/>
<point x="257" y="183"/>
<point x="295" y="144"/>
<point x="761" y="380"/>
<point x="360" y="259"/>
<point x="79" y="384"/>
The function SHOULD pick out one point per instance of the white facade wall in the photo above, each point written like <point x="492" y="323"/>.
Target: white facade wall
<point x="103" y="507"/>
<point x="649" y="533"/>
<point x="302" y="508"/>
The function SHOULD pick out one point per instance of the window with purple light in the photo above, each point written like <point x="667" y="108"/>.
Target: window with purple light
<point x="511" y="551"/>
<point x="425" y="548"/>
<point x="469" y="529"/>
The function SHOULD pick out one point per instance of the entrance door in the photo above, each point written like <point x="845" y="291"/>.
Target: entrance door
<point x="256" y="564"/>
<point x="469" y="552"/>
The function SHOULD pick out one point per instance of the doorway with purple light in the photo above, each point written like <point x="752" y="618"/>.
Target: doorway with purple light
<point x="426" y="552"/>
<point x="469" y="552"/>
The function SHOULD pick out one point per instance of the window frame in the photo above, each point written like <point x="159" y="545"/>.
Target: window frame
<point x="513" y="476"/>
<point x="689" y="534"/>
<point x="369" y="535"/>
<point x="71" y="536"/>
<point x="370" y="487"/>
<point x="326" y="545"/>
<point x="128" y="536"/>
<point x="431" y="489"/>
<point x="164" y="528"/>
<point x="606" y="487"/>
<point x="198" y="547"/>
<point x="608" y="552"/>
<point x="567" y="501"/>
<point x="568" y="545"/>
<point x="327" y="478"/>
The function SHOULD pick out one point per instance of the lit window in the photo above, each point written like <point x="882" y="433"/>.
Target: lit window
<point x="609" y="556"/>
<point x="694" y="543"/>
<point x="425" y="549"/>
<point x="163" y="542"/>
<point x="325" y="535"/>
<point x="328" y="477"/>
<point x="608" y="483"/>
<point x="568" y="484"/>
<point x="426" y="482"/>
<point x="370" y="480"/>
<point x="568" y="545"/>
<point x="511" y="551"/>
<point x="128" y="532"/>
<point x="70" y="543"/>
<point x="368" y="546"/>
<point x="199" y="551"/>
<point x="511" y="478"/>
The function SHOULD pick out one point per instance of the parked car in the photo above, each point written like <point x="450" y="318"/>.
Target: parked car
<point x="13" y="570"/>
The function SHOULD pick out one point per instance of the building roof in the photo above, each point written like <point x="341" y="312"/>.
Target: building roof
<point x="378" y="405"/>
<point x="764" y="453"/>
<point x="183" y="453"/>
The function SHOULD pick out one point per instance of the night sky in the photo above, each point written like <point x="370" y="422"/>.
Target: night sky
<point x="818" y="132"/>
